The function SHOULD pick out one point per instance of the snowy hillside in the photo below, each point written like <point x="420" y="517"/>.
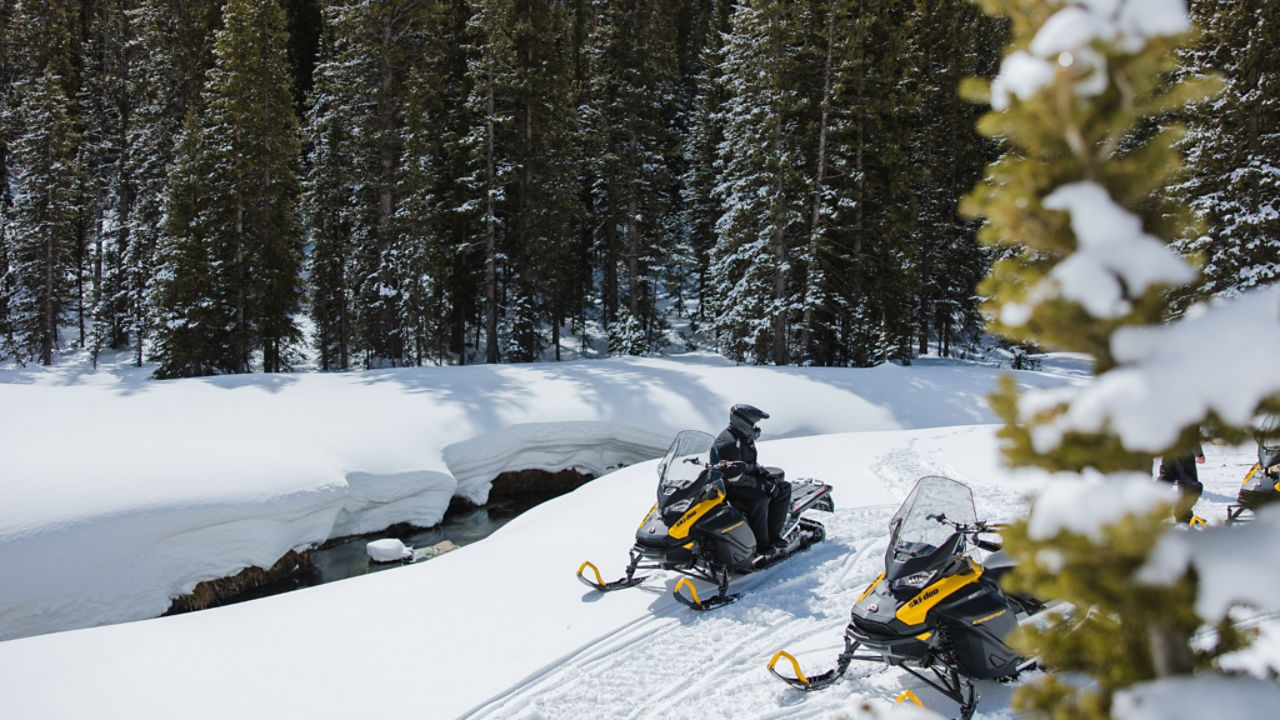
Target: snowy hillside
<point x="497" y="629"/>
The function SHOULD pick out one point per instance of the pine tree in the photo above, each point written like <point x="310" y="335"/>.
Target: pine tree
<point x="170" y="50"/>
<point x="332" y="215"/>
<point x="1076" y="151"/>
<point x="107" y="110"/>
<point x="492" y="76"/>
<point x="6" y="89"/>
<point x="951" y="40"/>
<point x="703" y="134"/>
<point x="545" y="195"/>
<point x="230" y="285"/>
<point x="1233" y="145"/>
<point x="762" y="192"/>
<point x="41" y="225"/>
<point x="427" y="234"/>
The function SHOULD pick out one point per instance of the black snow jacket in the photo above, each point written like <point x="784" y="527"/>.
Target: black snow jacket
<point x="1181" y="470"/>
<point x="733" y="447"/>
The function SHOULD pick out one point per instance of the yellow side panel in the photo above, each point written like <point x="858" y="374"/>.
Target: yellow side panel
<point x="652" y="510"/>
<point x="870" y="587"/>
<point x="680" y="529"/>
<point x="1248" y="476"/>
<point x="913" y="613"/>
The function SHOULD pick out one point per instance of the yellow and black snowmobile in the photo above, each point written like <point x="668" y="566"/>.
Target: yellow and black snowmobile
<point x="694" y="530"/>
<point x="1261" y="484"/>
<point x="936" y="611"/>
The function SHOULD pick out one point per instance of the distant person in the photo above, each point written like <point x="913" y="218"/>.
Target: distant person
<point x="1180" y="471"/>
<point x="761" y="496"/>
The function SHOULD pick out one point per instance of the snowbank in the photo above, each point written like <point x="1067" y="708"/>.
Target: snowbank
<point x="116" y="489"/>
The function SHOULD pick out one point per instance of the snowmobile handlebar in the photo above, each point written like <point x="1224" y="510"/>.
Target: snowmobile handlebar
<point x="973" y="530"/>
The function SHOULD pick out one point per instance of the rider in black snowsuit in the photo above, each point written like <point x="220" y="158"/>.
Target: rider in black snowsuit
<point x="1180" y="471"/>
<point x="761" y="496"/>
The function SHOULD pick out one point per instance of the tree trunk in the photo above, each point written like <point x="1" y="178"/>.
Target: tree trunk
<point x="779" y="350"/>
<point x="819" y="180"/>
<point x="490" y="236"/>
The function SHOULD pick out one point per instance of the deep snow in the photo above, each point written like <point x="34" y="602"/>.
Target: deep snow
<point x="151" y="487"/>
<point x="499" y="628"/>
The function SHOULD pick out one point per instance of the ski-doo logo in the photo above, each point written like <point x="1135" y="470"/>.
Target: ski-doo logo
<point x="923" y="596"/>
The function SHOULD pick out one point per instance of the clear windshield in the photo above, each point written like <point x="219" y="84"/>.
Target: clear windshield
<point x="913" y="531"/>
<point x="684" y="459"/>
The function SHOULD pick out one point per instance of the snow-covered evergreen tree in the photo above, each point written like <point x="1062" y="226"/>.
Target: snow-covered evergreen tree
<point x="762" y="191"/>
<point x="170" y="49"/>
<point x="230" y="284"/>
<point x="1233" y="145"/>
<point x="41" y="224"/>
<point x="1077" y="194"/>
<point x="632" y="105"/>
<point x="493" y="79"/>
<point x="107" y="110"/>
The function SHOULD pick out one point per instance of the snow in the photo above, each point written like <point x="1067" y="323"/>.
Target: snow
<point x="495" y="629"/>
<point x="1067" y="36"/>
<point x="1021" y="74"/>
<point x="1113" y="256"/>
<point x="140" y="469"/>
<point x="1198" y="698"/>
<point x="1216" y="557"/>
<point x="1071" y="503"/>
<point x="1219" y="357"/>
<point x="387" y="550"/>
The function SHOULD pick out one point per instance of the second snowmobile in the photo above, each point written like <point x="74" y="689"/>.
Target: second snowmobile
<point x="694" y="530"/>
<point x="935" y="611"/>
<point x="1261" y="484"/>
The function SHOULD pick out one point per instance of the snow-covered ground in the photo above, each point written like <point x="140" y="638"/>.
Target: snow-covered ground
<point x="150" y="487"/>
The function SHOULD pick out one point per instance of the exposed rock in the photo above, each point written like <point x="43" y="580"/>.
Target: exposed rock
<point x="215" y="592"/>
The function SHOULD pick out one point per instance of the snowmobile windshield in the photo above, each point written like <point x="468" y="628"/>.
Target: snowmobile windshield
<point x="684" y="460"/>
<point x="1268" y="455"/>
<point x="915" y="529"/>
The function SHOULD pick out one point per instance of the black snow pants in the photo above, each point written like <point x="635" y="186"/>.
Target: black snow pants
<point x="765" y="503"/>
<point x="1181" y="473"/>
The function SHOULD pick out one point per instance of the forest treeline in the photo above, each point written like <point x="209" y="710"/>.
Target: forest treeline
<point x="457" y="181"/>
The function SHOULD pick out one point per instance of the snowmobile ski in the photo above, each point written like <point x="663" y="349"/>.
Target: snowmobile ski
<point x="599" y="583"/>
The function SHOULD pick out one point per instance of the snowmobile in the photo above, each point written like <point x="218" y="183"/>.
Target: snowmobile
<point x="694" y="530"/>
<point x="935" y="611"/>
<point x="1261" y="484"/>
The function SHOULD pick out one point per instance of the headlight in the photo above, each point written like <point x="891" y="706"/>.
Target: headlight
<point x="681" y="506"/>
<point x="916" y="581"/>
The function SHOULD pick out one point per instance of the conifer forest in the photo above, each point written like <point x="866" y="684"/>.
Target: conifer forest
<point x="225" y="186"/>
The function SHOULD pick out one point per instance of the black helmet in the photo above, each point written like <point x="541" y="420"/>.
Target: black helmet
<point x="743" y="419"/>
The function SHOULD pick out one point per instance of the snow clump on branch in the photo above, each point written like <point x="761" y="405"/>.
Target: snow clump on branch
<point x="1066" y="39"/>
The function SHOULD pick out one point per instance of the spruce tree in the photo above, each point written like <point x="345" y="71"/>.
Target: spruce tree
<point x="107" y="109"/>
<point x="1076" y="202"/>
<point x="41" y="228"/>
<point x="330" y="189"/>
<point x="630" y="117"/>
<point x="493" y="81"/>
<point x="762" y="192"/>
<point x="1233" y="145"/>
<point x="230" y="284"/>
<point x="704" y="131"/>
<point x="169" y="51"/>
